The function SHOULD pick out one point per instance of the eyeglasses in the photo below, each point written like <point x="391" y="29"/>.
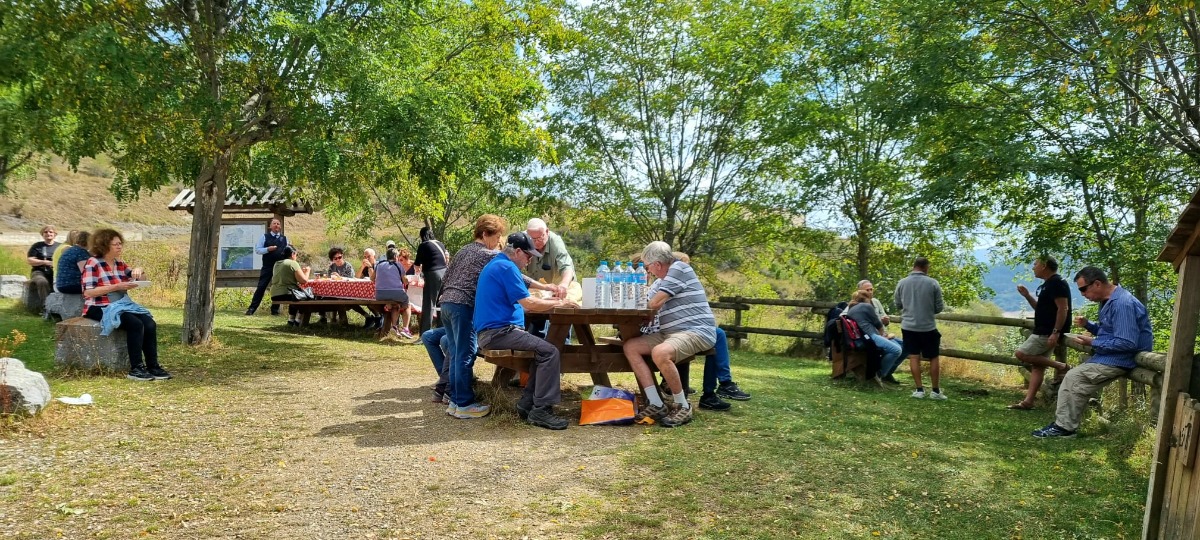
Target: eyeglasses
<point x="1084" y="288"/>
<point x="337" y="258"/>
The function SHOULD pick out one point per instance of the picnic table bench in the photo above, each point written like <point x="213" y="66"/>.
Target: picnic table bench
<point x="597" y="357"/>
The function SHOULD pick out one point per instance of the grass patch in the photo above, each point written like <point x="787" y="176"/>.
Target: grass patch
<point x="806" y="458"/>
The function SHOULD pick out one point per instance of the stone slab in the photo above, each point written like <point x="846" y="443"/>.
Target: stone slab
<point x="12" y="286"/>
<point x="64" y="306"/>
<point x="79" y="346"/>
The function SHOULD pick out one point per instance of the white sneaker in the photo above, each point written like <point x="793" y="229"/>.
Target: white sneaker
<point x="919" y="394"/>
<point x="937" y="395"/>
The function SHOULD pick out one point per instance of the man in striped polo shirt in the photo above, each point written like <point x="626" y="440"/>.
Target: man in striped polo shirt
<point x="686" y="327"/>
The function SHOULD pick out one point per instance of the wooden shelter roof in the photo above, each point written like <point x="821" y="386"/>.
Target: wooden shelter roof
<point x="1183" y="239"/>
<point x="267" y="200"/>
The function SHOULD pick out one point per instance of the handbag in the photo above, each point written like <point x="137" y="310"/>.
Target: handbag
<point x="304" y="293"/>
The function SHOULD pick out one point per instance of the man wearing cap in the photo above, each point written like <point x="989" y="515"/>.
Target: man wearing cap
<point x="270" y="246"/>
<point x="554" y="266"/>
<point x="501" y="299"/>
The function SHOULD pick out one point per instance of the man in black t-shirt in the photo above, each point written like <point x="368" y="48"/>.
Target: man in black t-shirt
<point x="40" y="258"/>
<point x="1051" y="319"/>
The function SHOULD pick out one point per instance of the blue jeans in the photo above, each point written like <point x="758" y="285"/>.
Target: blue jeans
<point x="716" y="366"/>
<point x="457" y="319"/>
<point x="435" y="342"/>
<point x="892" y="354"/>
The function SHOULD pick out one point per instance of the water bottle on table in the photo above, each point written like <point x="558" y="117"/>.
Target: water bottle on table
<point x="602" y="285"/>
<point x="617" y="278"/>
<point x="639" y="287"/>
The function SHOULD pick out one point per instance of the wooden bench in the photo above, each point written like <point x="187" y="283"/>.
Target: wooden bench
<point x="308" y="307"/>
<point x="599" y="360"/>
<point x="846" y="360"/>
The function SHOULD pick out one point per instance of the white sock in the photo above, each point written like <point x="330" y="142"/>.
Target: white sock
<point x="681" y="400"/>
<point x="652" y="396"/>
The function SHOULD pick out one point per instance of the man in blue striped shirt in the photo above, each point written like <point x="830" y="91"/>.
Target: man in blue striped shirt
<point x="1122" y="332"/>
<point x="686" y="326"/>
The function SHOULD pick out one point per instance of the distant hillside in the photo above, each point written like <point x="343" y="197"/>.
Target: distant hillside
<point x="1003" y="280"/>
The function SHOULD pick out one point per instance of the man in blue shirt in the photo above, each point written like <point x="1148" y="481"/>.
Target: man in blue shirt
<point x="1122" y="332"/>
<point x="501" y="299"/>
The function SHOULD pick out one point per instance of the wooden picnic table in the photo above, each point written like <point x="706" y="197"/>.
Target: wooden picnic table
<point x="339" y="295"/>
<point x="589" y="356"/>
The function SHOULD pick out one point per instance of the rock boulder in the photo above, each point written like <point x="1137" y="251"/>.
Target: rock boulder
<point x="79" y="345"/>
<point x="21" y="390"/>
<point x="65" y="306"/>
<point x="12" y="286"/>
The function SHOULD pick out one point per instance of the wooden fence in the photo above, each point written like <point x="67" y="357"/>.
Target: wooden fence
<point x="1150" y="364"/>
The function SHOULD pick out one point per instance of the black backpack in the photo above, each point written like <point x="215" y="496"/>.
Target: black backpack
<point x="831" y="332"/>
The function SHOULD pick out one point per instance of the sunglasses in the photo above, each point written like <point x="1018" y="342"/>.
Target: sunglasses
<point x="1084" y="288"/>
<point x="337" y="258"/>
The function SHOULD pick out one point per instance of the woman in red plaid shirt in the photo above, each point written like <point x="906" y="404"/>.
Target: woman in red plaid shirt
<point x="106" y="274"/>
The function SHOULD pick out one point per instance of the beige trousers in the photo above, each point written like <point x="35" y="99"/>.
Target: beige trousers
<point x="1080" y="384"/>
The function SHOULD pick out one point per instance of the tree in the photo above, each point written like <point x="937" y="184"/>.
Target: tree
<point x="194" y="89"/>
<point x="664" y="110"/>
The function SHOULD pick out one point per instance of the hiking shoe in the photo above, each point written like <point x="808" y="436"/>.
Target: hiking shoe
<point x="1053" y="431"/>
<point x="524" y="408"/>
<point x="678" y="416"/>
<point x="919" y="394"/>
<point x="730" y="390"/>
<point x="890" y="379"/>
<point x="249" y="312"/>
<point x="937" y="395"/>
<point x="474" y="410"/>
<point x="713" y="403"/>
<point x="438" y="397"/>
<point x="451" y="408"/>
<point x="139" y="374"/>
<point x="159" y="373"/>
<point x="544" y="417"/>
<point x="650" y="414"/>
<point x="405" y="333"/>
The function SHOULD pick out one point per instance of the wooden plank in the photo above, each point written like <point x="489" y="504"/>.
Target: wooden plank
<point x="1187" y="433"/>
<point x="1176" y="379"/>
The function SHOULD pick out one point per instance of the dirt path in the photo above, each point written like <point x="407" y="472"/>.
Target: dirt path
<point x="351" y="452"/>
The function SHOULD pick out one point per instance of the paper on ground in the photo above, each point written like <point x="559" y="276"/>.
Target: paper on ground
<point x="85" y="399"/>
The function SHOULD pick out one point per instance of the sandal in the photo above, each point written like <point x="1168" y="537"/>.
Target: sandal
<point x="1021" y="406"/>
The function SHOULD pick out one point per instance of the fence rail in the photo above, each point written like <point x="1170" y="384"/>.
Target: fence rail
<point x="1150" y="364"/>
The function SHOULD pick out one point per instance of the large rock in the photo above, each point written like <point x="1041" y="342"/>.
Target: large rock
<point x="12" y="286"/>
<point x="65" y="306"/>
<point x="21" y="390"/>
<point x="79" y="345"/>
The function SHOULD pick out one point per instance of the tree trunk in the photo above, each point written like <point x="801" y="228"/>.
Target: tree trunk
<point x="211" y="188"/>
<point x="864" y="253"/>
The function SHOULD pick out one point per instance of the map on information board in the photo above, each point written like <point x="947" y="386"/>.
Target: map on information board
<point x="236" y="247"/>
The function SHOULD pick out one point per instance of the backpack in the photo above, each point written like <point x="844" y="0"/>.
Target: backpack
<point x="855" y="339"/>
<point x="831" y="318"/>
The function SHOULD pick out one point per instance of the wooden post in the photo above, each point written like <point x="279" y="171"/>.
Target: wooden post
<point x="1176" y="379"/>
<point x="737" y="323"/>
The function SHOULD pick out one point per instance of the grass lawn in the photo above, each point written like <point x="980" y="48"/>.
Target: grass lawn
<point x="327" y="434"/>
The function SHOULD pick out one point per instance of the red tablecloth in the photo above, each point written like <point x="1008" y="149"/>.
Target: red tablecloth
<point x="330" y="288"/>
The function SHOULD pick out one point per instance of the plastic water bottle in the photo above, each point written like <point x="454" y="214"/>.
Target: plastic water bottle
<point x="603" y="296"/>
<point x="617" y="277"/>
<point x="630" y="300"/>
<point x="639" y="287"/>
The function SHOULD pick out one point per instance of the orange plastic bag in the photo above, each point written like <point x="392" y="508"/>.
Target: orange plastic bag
<point x="617" y="409"/>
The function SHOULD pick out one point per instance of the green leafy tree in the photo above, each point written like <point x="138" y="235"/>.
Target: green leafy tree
<point x="664" y="111"/>
<point x="224" y="94"/>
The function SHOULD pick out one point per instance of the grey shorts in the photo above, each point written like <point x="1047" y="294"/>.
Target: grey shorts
<point x="1035" y="345"/>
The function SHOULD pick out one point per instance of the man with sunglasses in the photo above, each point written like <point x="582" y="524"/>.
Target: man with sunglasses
<point x="1121" y="333"/>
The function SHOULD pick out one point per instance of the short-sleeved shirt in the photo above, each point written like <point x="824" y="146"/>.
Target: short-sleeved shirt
<point x="462" y="276"/>
<point x="1045" y="310"/>
<point x="345" y="270"/>
<point x="283" y="277"/>
<point x="687" y="308"/>
<point x="431" y="255"/>
<point x="68" y="272"/>
<point x="99" y="273"/>
<point x="501" y="289"/>
<point x="555" y="254"/>
<point x="389" y="276"/>
<point x="43" y="252"/>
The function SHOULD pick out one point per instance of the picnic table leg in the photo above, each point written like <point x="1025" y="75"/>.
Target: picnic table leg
<point x="601" y="379"/>
<point x="305" y="315"/>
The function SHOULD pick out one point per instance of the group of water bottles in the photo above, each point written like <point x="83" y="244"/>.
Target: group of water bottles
<point x="621" y="287"/>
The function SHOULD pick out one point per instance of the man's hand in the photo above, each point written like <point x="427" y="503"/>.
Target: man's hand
<point x="1081" y="321"/>
<point x="137" y="273"/>
<point x="1052" y="340"/>
<point x="1023" y="290"/>
<point x="886" y="320"/>
<point x="1084" y="340"/>
<point x="559" y="291"/>
<point x="271" y="248"/>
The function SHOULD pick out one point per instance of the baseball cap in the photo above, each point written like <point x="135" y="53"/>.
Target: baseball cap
<point x="521" y="241"/>
<point x="391" y="243"/>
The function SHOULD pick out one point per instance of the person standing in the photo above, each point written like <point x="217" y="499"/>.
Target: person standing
<point x="41" y="274"/>
<point x="1051" y="319"/>
<point x="458" y="313"/>
<point x="432" y="258"/>
<point x="270" y="246"/>
<point x="1121" y="333"/>
<point x="552" y="271"/>
<point x="499" y="320"/>
<point x="920" y="298"/>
